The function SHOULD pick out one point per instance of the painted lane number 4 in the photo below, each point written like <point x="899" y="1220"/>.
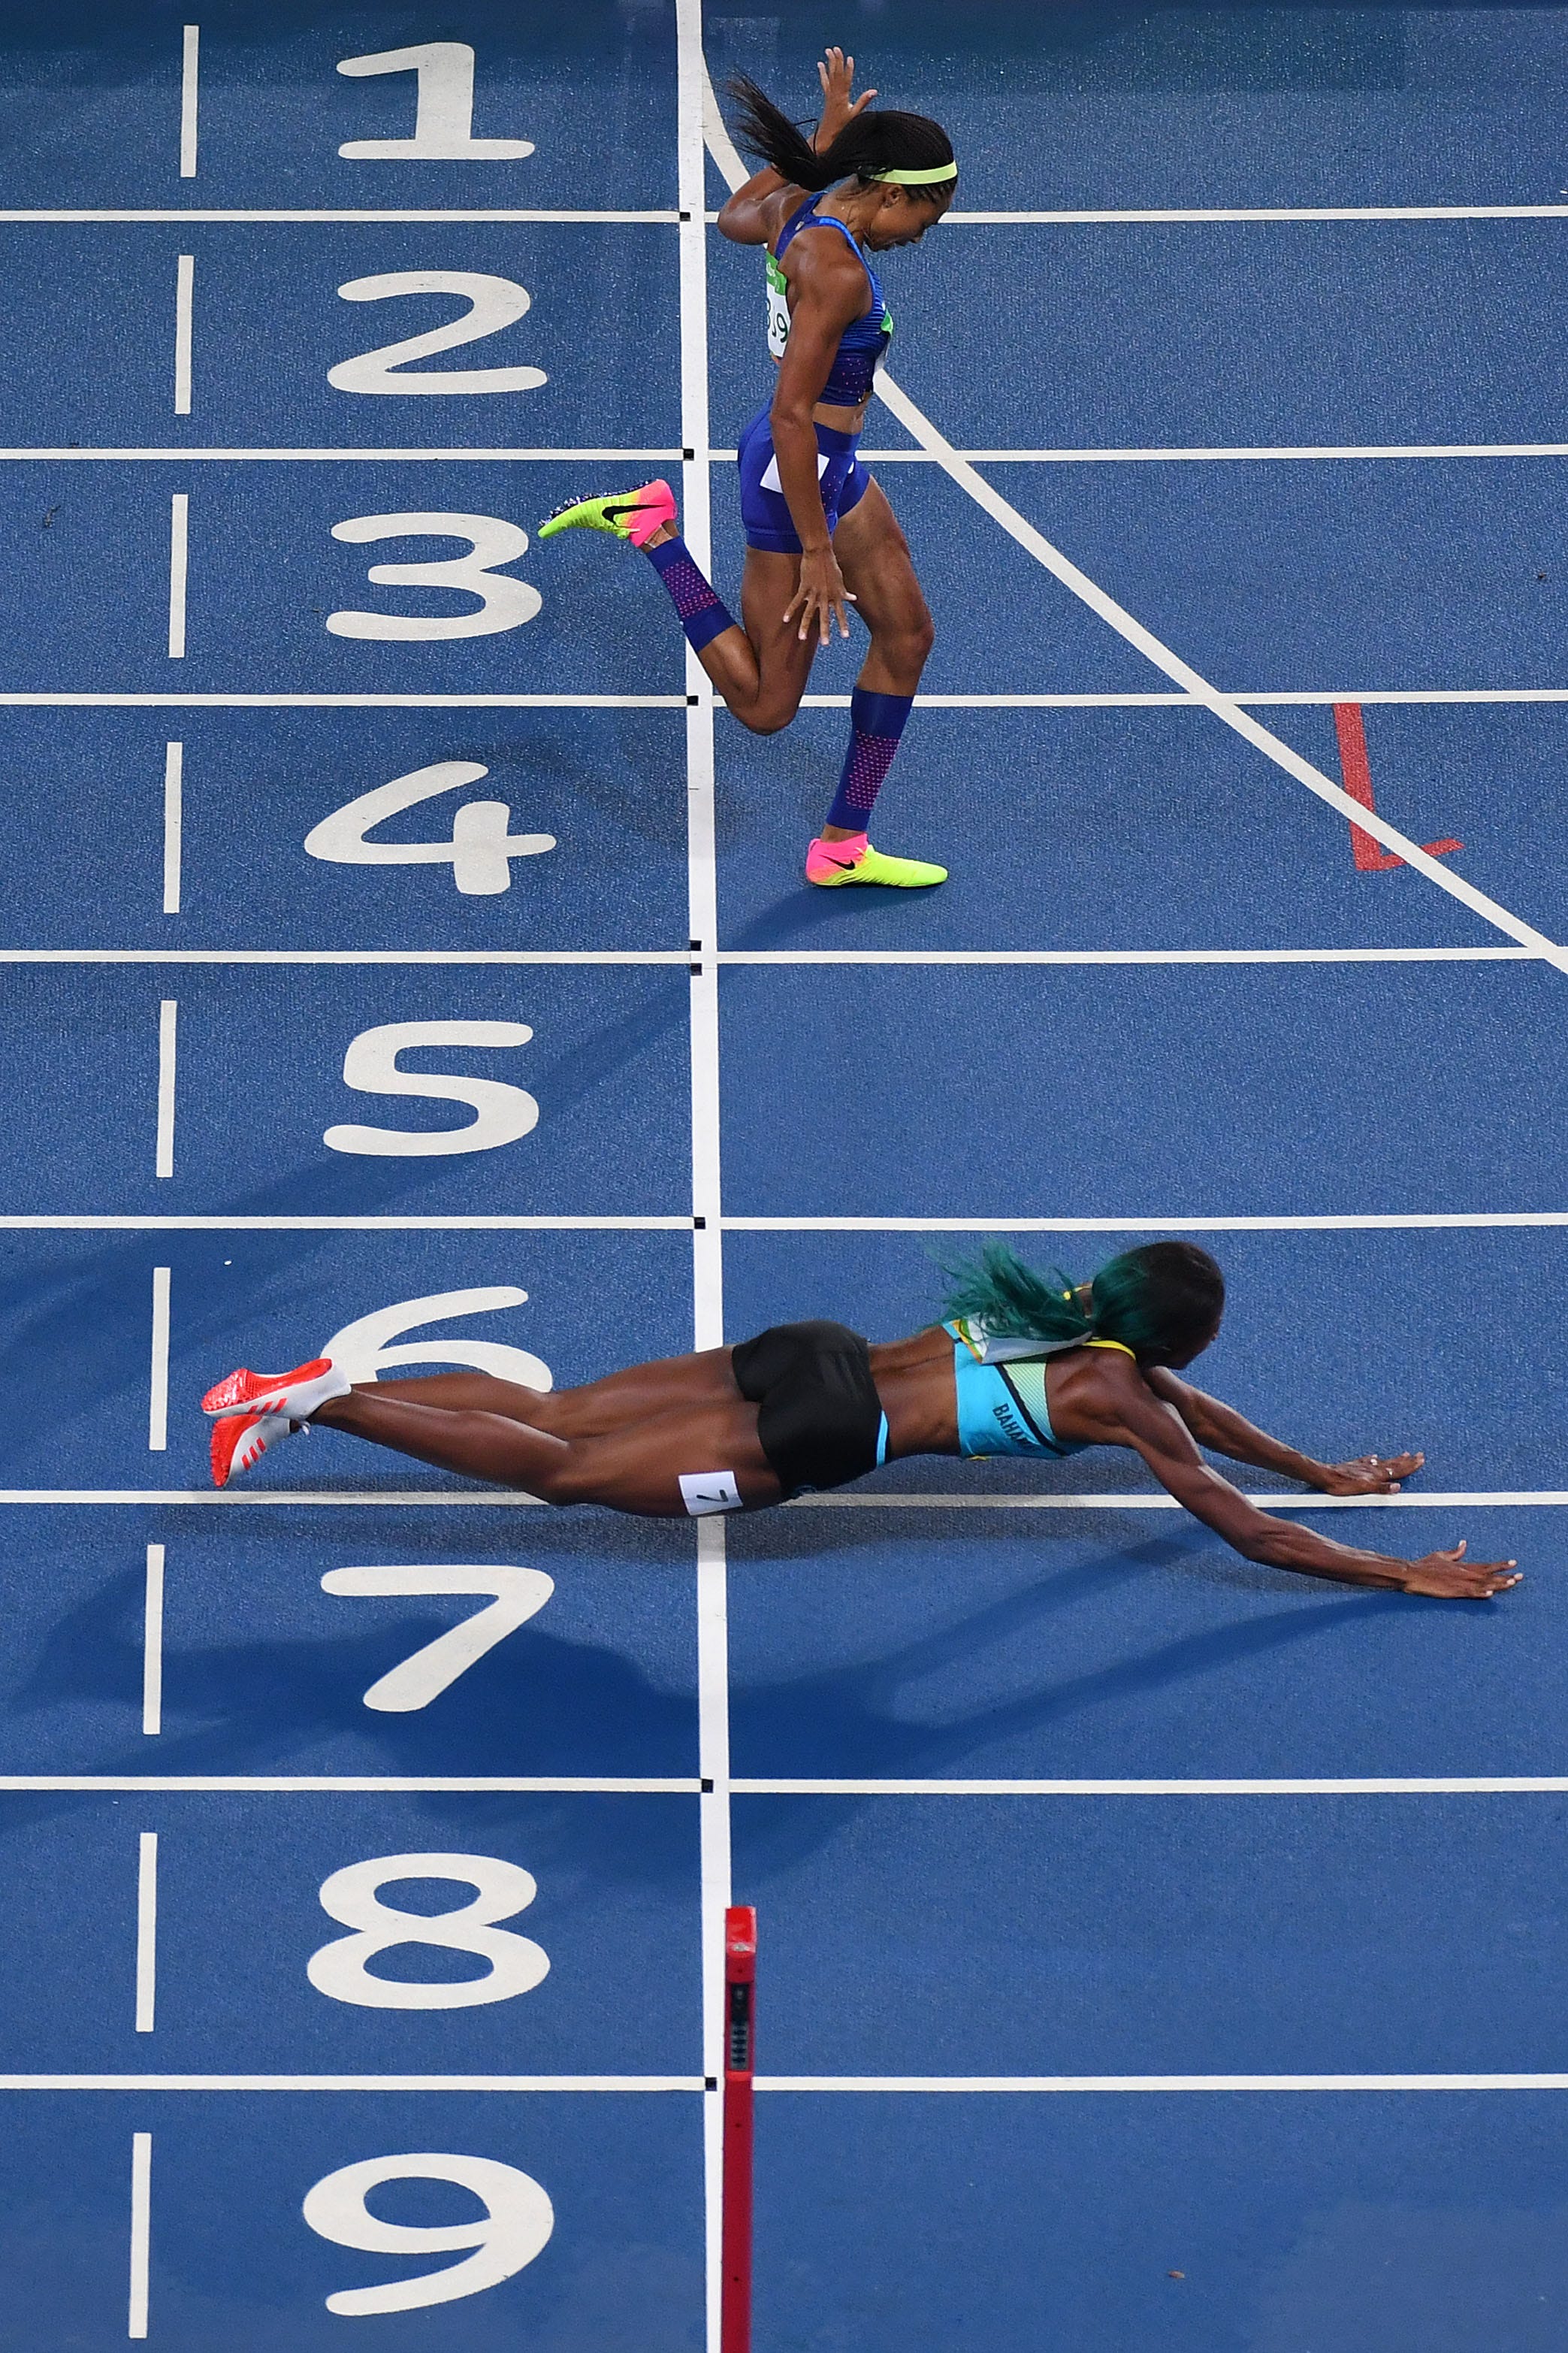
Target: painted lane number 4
<point x="480" y="849"/>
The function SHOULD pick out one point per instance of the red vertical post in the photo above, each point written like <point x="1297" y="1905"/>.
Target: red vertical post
<point x="740" y="1987"/>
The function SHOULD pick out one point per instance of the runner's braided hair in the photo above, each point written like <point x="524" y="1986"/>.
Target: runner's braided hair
<point x="1162" y="1300"/>
<point x="879" y="140"/>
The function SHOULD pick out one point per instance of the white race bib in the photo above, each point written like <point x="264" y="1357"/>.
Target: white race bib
<point x="708" y="1491"/>
<point x="778" y="309"/>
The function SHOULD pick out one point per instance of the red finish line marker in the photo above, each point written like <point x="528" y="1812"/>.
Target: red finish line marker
<point x="1370" y="856"/>
<point x="740" y="1985"/>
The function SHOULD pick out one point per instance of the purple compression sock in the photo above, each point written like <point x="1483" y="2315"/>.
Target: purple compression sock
<point x="876" y="723"/>
<point x="702" y="617"/>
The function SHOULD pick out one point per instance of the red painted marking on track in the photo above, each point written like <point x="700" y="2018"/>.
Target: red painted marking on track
<point x="1370" y="856"/>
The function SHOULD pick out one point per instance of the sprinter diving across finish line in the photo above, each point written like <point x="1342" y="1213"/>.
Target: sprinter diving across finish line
<point x="1023" y="1363"/>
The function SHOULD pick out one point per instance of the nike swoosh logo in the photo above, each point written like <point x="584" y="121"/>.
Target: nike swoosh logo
<point x="845" y="865"/>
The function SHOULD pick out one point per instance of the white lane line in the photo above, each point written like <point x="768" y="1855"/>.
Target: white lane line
<point x="348" y="2083"/>
<point x="1125" y="956"/>
<point x="1417" y="1221"/>
<point x="244" y="957"/>
<point x="708" y="1271"/>
<point x="1304" y="699"/>
<point x="1415" y="1501"/>
<point x="153" y="1643"/>
<point x="190" y="75"/>
<point x="364" y="955"/>
<point x="28" y="700"/>
<point x="158" y="1365"/>
<point x="297" y="1784"/>
<point x="851" y="2084"/>
<point x="426" y="1499"/>
<point x="347" y="1225"/>
<point x="174" y="824"/>
<point x="1240" y="455"/>
<point x="1224" y="707"/>
<point x="1220" y="456"/>
<point x="184" y="278"/>
<point x="168" y="1052"/>
<point x="147" y="1932"/>
<point x="140" y="2232"/>
<point x="58" y="218"/>
<point x="345" y="702"/>
<point x="378" y="456"/>
<point x="1162" y="2082"/>
<point x="1262" y="213"/>
<point x="1504" y="1785"/>
<point x="179" y="534"/>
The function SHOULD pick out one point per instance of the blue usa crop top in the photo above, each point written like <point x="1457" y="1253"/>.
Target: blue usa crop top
<point x="864" y="340"/>
<point x="1002" y="1403"/>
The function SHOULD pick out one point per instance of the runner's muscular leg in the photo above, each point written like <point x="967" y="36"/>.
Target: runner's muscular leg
<point x="874" y="557"/>
<point x="634" y="1469"/>
<point x="760" y="668"/>
<point x="587" y="1411"/>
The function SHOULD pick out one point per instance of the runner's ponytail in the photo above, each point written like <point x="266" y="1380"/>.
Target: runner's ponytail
<point x="876" y="141"/>
<point x="1162" y="1300"/>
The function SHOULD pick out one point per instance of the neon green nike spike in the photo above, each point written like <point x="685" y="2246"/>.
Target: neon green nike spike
<point x="629" y="514"/>
<point x="829" y="869"/>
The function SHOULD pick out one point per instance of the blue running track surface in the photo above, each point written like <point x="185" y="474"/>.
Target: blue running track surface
<point x="1160" y="1954"/>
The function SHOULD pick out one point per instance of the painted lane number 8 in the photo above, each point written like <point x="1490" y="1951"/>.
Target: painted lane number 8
<point x="516" y="1963"/>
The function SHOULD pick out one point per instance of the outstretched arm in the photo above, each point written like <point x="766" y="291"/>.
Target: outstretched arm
<point x="1224" y="1431"/>
<point x="744" y="219"/>
<point x="1158" y="1431"/>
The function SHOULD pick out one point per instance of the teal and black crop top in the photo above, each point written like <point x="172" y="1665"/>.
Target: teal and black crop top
<point x="1000" y="1387"/>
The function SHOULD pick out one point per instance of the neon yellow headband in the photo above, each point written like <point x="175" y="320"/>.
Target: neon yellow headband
<point x="920" y="179"/>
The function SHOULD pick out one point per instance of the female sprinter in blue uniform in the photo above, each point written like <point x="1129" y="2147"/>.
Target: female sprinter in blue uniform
<point x="1023" y="1365"/>
<point x="820" y="535"/>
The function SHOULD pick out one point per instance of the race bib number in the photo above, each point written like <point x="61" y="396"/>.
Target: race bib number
<point x="778" y="309"/>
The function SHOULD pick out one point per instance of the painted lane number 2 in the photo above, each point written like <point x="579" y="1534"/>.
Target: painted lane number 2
<point x="493" y="303"/>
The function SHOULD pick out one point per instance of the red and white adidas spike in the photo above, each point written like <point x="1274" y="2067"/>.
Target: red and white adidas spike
<point x="240" y="1440"/>
<point x="295" y="1395"/>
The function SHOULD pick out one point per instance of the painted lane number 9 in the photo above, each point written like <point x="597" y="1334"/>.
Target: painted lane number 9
<point x="513" y="2228"/>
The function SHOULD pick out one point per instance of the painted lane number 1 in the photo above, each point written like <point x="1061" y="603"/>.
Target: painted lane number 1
<point x="444" y="109"/>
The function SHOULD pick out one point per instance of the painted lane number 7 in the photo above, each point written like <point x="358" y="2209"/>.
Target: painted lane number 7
<point x="415" y="1682"/>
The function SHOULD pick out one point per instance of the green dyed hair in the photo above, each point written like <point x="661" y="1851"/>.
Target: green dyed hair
<point x="1161" y="1299"/>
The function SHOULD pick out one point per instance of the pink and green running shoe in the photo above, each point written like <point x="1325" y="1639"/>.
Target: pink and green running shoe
<point x="630" y="514"/>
